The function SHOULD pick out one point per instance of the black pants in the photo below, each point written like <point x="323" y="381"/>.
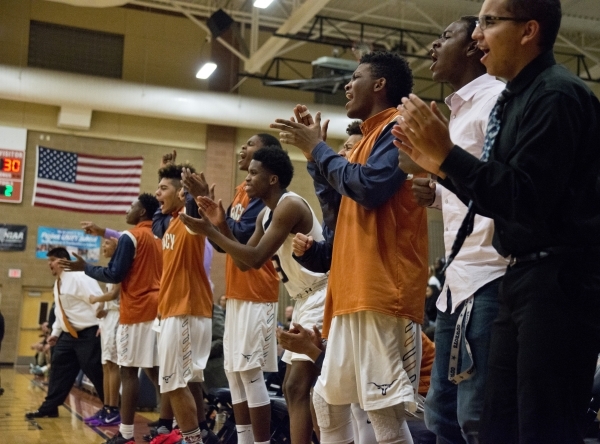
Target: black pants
<point x="70" y="355"/>
<point x="543" y="352"/>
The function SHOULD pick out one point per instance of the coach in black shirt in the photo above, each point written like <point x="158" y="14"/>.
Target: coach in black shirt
<point x="540" y="187"/>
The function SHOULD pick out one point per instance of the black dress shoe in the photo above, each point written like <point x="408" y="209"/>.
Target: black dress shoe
<point x="42" y="414"/>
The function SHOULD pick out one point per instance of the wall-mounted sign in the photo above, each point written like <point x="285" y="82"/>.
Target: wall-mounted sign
<point x="12" y="163"/>
<point x="13" y="237"/>
<point x="75" y="241"/>
<point x="14" y="273"/>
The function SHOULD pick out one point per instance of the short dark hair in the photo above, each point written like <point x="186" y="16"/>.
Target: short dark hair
<point x="59" y="252"/>
<point x="277" y="161"/>
<point x="173" y="172"/>
<point x="354" y="128"/>
<point x="471" y="22"/>
<point x="149" y="203"/>
<point x="547" y="13"/>
<point x="268" y="139"/>
<point x="395" y="70"/>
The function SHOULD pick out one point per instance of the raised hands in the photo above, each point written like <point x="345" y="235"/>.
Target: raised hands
<point x="424" y="133"/>
<point x="213" y="211"/>
<point x="199" y="226"/>
<point x="77" y="265"/>
<point x="168" y="159"/>
<point x="196" y="184"/>
<point x="305" y="137"/>
<point x="303" y="116"/>
<point x="90" y="227"/>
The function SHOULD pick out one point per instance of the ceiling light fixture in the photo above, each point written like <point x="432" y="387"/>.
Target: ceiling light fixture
<point x="207" y="69"/>
<point x="262" y="4"/>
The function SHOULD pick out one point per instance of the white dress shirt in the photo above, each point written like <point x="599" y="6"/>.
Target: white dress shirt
<point x="478" y="262"/>
<point x="75" y="291"/>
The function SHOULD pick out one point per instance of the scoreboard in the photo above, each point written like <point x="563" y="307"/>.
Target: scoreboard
<point x="12" y="163"/>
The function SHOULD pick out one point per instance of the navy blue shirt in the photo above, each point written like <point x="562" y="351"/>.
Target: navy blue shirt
<point x="119" y="264"/>
<point x="370" y="185"/>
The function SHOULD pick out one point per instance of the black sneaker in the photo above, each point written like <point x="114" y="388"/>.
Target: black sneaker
<point x="42" y="414"/>
<point x="209" y="437"/>
<point x="118" y="439"/>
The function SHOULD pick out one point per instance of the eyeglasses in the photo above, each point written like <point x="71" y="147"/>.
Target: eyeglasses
<point x="486" y="20"/>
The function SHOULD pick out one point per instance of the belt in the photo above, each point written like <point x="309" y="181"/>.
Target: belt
<point x="316" y="286"/>
<point x="551" y="251"/>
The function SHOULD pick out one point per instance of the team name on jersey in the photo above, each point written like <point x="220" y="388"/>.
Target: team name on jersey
<point x="168" y="241"/>
<point x="237" y="211"/>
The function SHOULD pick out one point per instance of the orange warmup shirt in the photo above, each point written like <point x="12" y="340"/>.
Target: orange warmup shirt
<point x="184" y="287"/>
<point x="428" y="355"/>
<point x="379" y="260"/>
<point x="139" y="289"/>
<point x="260" y="285"/>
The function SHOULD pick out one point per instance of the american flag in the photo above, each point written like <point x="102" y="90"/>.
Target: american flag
<point x="89" y="184"/>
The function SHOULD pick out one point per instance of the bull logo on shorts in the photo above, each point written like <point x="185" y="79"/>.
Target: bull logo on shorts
<point x="383" y="387"/>
<point x="166" y="378"/>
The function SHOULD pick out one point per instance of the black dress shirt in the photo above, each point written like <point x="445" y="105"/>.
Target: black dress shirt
<point x="540" y="183"/>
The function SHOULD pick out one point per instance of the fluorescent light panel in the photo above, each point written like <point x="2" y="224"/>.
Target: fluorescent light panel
<point x="262" y="4"/>
<point x="206" y="70"/>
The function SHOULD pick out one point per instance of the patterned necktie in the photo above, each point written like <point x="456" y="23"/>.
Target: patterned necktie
<point x="493" y="128"/>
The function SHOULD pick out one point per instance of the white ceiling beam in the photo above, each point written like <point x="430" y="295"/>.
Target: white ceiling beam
<point x="579" y="49"/>
<point x="424" y="15"/>
<point x="300" y="17"/>
<point x="329" y="30"/>
<point x="254" y="31"/>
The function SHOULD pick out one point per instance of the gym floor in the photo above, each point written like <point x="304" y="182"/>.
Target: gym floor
<point x="24" y="392"/>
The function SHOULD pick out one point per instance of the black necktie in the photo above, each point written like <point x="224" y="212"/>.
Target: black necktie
<point x="493" y="128"/>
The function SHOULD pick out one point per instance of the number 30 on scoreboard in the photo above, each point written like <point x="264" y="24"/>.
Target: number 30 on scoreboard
<point x="11" y="165"/>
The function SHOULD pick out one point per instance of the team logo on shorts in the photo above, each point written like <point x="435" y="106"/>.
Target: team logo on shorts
<point x="248" y="356"/>
<point x="167" y="378"/>
<point x="383" y="387"/>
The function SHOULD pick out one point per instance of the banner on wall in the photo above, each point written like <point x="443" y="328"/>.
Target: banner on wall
<point x="13" y="237"/>
<point x="75" y="241"/>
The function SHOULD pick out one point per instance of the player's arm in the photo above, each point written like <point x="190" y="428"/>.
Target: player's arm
<point x="259" y="248"/>
<point x="108" y="296"/>
<point x="90" y="227"/>
<point x="243" y="229"/>
<point x="329" y="197"/>
<point x="117" y="269"/>
<point x="370" y="185"/>
<point x="317" y="257"/>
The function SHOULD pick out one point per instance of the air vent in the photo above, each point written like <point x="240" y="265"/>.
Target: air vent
<point x="83" y="51"/>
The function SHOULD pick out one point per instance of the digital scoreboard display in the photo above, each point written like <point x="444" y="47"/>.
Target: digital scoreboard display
<point x="12" y="163"/>
<point x="7" y="190"/>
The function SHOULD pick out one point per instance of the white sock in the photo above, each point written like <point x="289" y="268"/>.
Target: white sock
<point x="193" y="436"/>
<point x="244" y="434"/>
<point x="264" y="442"/>
<point x="126" y="430"/>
